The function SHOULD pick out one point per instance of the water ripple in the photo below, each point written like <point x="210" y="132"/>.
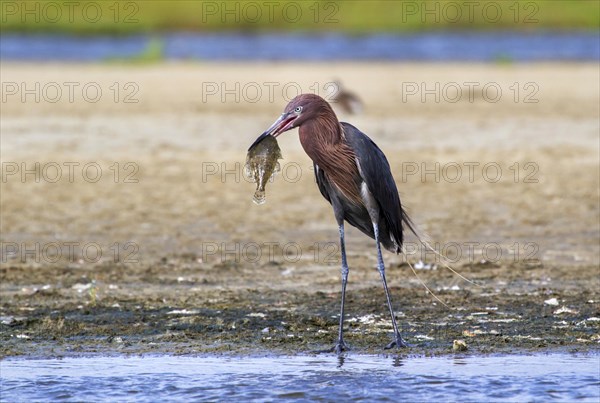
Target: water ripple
<point x="515" y="378"/>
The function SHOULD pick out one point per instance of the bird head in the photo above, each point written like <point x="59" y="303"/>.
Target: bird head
<point x="298" y="110"/>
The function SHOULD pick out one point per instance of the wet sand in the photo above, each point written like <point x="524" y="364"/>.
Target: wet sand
<point x="145" y="238"/>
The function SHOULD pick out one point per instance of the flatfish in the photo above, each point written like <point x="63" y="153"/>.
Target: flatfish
<point x="261" y="164"/>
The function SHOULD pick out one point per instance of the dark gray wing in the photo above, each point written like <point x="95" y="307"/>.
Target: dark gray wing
<point x="356" y="215"/>
<point x="322" y="182"/>
<point x="376" y="173"/>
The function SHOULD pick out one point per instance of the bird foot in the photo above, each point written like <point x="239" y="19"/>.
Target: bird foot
<point x="398" y="343"/>
<point x="339" y="347"/>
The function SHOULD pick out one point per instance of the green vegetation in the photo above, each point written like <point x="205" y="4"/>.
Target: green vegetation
<point x="154" y="52"/>
<point x="353" y="16"/>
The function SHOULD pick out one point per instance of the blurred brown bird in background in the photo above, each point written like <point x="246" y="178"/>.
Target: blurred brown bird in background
<point x="348" y="101"/>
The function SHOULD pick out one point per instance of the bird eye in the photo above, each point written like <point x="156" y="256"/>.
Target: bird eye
<point x="298" y="109"/>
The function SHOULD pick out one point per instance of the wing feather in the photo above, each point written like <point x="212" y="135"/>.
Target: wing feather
<point x="377" y="174"/>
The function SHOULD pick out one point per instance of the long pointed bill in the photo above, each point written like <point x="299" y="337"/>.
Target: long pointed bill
<point x="258" y="140"/>
<point x="283" y="123"/>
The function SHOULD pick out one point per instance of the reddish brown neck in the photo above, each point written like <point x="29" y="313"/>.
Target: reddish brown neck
<point x="320" y="132"/>
<point x="323" y="140"/>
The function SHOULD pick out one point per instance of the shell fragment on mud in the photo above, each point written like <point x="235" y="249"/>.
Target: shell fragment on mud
<point x="459" y="345"/>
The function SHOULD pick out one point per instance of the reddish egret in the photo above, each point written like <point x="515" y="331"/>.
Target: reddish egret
<point x="354" y="176"/>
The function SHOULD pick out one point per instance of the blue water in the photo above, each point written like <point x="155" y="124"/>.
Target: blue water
<point x="514" y="378"/>
<point x="438" y="46"/>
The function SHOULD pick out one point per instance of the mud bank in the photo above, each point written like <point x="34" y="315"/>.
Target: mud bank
<point x="166" y="253"/>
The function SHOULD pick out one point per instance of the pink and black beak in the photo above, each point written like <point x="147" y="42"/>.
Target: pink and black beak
<point x="284" y="123"/>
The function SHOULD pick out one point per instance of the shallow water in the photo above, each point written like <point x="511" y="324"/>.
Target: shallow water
<point x="433" y="46"/>
<point x="514" y="378"/>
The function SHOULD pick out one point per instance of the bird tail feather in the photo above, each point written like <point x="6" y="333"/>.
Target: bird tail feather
<point x="424" y="239"/>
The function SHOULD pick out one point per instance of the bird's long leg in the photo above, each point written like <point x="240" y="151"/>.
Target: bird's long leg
<point x="398" y="341"/>
<point x="340" y="345"/>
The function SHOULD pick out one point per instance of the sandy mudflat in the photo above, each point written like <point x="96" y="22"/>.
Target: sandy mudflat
<point x="507" y="187"/>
